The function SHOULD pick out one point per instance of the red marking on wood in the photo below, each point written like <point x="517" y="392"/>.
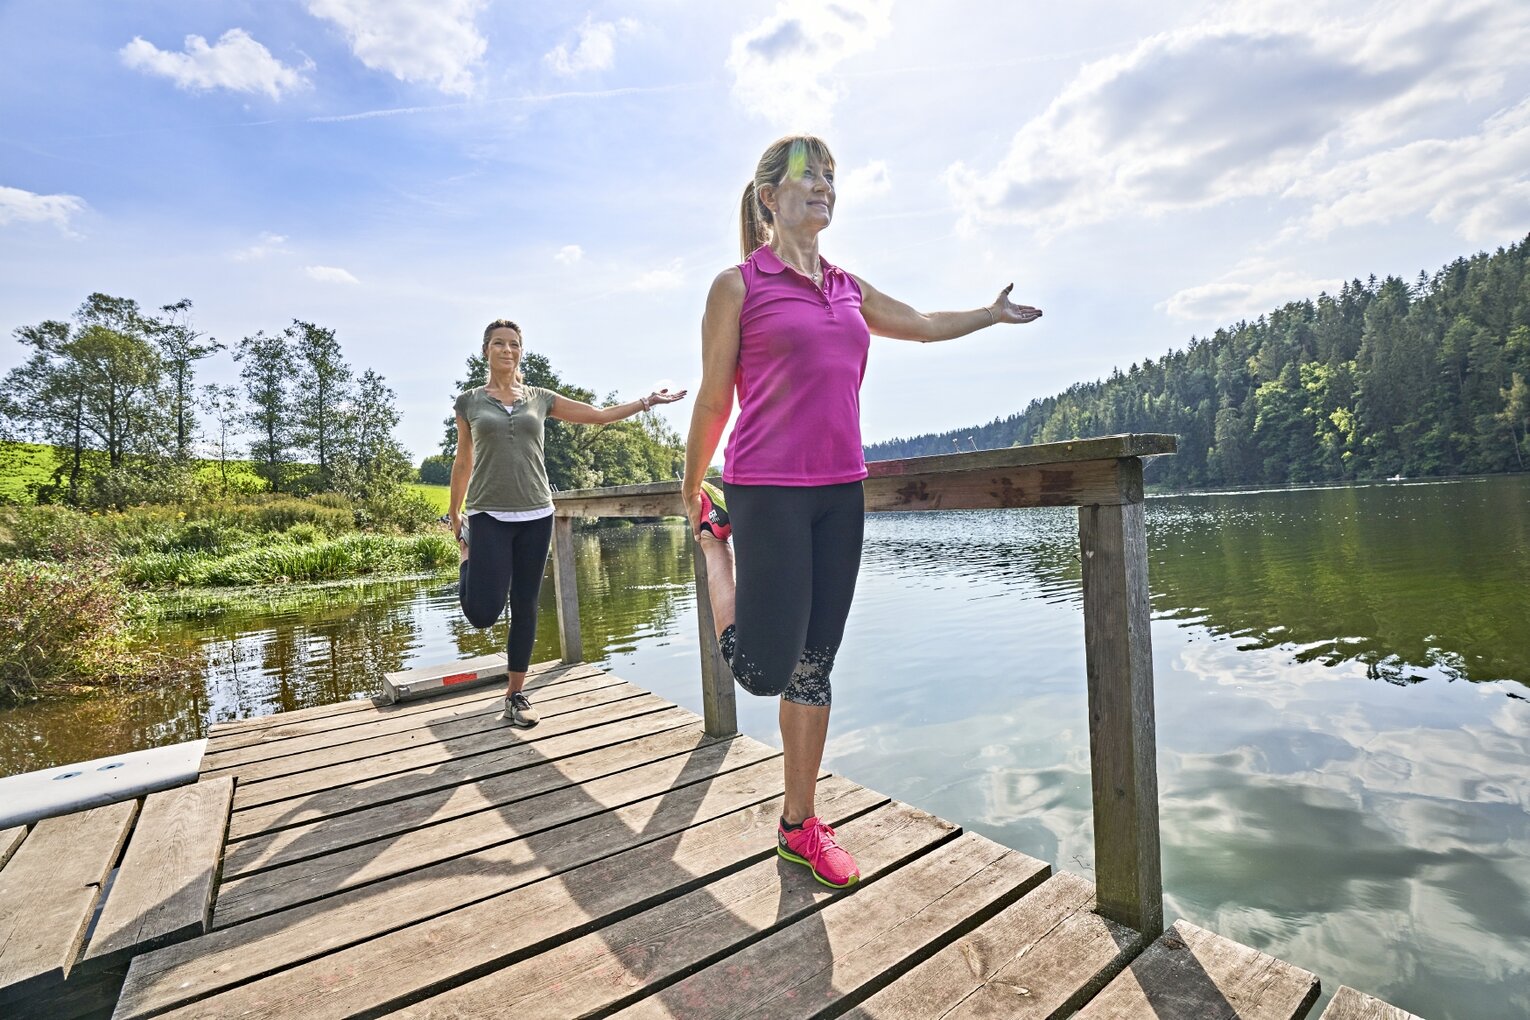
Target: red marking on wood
<point x="458" y="678"/>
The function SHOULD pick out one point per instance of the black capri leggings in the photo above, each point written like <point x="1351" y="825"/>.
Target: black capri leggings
<point x="797" y="551"/>
<point x="505" y="558"/>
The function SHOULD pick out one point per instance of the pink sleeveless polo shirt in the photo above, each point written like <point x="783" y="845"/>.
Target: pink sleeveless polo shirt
<point x="801" y="359"/>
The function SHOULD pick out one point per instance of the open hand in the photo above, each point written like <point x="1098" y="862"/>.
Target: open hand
<point x="665" y="397"/>
<point x="1005" y="310"/>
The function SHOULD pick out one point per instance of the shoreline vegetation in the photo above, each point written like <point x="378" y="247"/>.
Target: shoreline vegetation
<point x="82" y="592"/>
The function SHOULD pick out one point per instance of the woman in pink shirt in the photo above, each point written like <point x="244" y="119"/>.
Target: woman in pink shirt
<point x="787" y="332"/>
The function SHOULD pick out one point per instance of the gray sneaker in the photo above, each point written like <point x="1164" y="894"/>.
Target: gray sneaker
<point x="519" y="711"/>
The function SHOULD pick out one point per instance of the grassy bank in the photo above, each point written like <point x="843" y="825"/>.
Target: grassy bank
<point x="286" y="562"/>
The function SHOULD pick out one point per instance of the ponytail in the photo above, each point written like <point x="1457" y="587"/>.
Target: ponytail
<point x="753" y="221"/>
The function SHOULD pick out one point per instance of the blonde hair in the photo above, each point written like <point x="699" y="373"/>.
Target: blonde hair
<point x="520" y="379"/>
<point x="754" y="219"/>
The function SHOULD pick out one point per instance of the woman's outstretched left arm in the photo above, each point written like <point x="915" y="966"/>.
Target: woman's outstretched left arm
<point x="889" y="317"/>
<point x="580" y="413"/>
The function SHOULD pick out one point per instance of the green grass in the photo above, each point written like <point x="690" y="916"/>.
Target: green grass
<point x="440" y="495"/>
<point x="282" y="562"/>
<point x="22" y="465"/>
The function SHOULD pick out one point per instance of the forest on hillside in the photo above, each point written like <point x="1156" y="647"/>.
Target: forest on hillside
<point x="1384" y="378"/>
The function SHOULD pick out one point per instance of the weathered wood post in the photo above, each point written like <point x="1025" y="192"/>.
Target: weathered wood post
<point x="1122" y="746"/>
<point x="567" y="584"/>
<point x="716" y="677"/>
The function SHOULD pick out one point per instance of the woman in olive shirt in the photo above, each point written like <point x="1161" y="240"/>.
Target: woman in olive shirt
<point x="501" y="472"/>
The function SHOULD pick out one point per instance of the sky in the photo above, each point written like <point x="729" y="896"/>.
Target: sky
<point x="404" y="172"/>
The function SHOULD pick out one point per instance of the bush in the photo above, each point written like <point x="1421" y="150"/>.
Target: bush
<point x="67" y="625"/>
<point x="159" y="483"/>
<point x="51" y="533"/>
<point x="397" y="508"/>
<point x="436" y="470"/>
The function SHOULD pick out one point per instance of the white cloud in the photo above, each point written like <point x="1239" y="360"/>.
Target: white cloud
<point x="595" y="50"/>
<point x="236" y="62"/>
<point x="569" y="254"/>
<point x="435" y="43"/>
<point x="671" y="277"/>
<point x="268" y="245"/>
<point x="1250" y="106"/>
<point x="329" y="274"/>
<point x="869" y="181"/>
<point x="782" y="67"/>
<point x="1246" y="293"/>
<point x="18" y="206"/>
<point x="1479" y="184"/>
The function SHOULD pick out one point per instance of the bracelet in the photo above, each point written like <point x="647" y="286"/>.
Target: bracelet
<point x="989" y="310"/>
<point x="644" y="402"/>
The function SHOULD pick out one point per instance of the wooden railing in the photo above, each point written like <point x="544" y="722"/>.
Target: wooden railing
<point x="1103" y="478"/>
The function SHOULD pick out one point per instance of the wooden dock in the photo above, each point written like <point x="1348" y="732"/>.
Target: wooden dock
<point x="424" y="859"/>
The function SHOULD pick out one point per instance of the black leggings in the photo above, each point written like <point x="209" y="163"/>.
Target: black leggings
<point x="505" y="558"/>
<point x="798" y="552"/>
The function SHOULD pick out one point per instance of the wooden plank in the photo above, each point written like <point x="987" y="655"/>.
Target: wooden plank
<point x="10" y="839"/>
<point x="1041" y="957"/>
<point x="436" y="720"/>
<point x="1118" y="653"/>
<point x="1193" y="974"/>
<point x="1070" y="451"/>
<point x="492" y="760"/>
<point x="685" y="895"/>
<point x="566" y="585"/>
<point x="858" y="942"/>
<point x="346" y="772"/>
<point x="608" y="967"/>
<point x="1349" y="1004"/>
<point x="289" y="845"/>
<point x="1081" y="484"/>
<point x="729" y="819"/>
<point x="48" y="891"/>
<point x="653" y="499"/>
<point x="266" y="892"/>
<point x="717" y="695"/>
<point x="279" y="728"/>
<point x="568" y="713"/>
<point x="164" y="888"/>
<point x="334" y="709"/>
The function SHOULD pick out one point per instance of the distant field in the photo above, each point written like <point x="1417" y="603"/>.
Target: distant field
<point x="26" y="465"/>
<point x="440" y="495"/>
<point x="23" y="464"/>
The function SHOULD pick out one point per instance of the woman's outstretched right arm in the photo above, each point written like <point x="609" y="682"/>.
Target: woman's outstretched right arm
<point x="714" y="398"/>
<point x="462" y="470"/>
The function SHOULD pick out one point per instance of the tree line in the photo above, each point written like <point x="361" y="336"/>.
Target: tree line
<point x="114" y="391"/>
<point x="1384" y="378"/>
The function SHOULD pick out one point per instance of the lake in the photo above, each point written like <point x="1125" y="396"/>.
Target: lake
<point x="1341" y="673"/>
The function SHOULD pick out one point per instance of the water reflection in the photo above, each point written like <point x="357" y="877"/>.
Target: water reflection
<point x="1414" y="580"/>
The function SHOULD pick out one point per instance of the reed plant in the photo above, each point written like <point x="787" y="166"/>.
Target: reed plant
<point x="281" y="562"/>
<point x="73" y="625"/>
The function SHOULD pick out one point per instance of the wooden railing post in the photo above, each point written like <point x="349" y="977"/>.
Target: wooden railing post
<point x="566" y="582"/>
<point x="716" y="676"/>
<point x="1122" y="745"/>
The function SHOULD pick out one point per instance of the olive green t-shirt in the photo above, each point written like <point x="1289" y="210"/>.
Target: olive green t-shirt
<point x="509" y="472"/>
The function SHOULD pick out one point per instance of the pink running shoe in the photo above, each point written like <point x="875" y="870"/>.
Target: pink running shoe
<point x="814" y="845"/>
<point x="714" y="512"/>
